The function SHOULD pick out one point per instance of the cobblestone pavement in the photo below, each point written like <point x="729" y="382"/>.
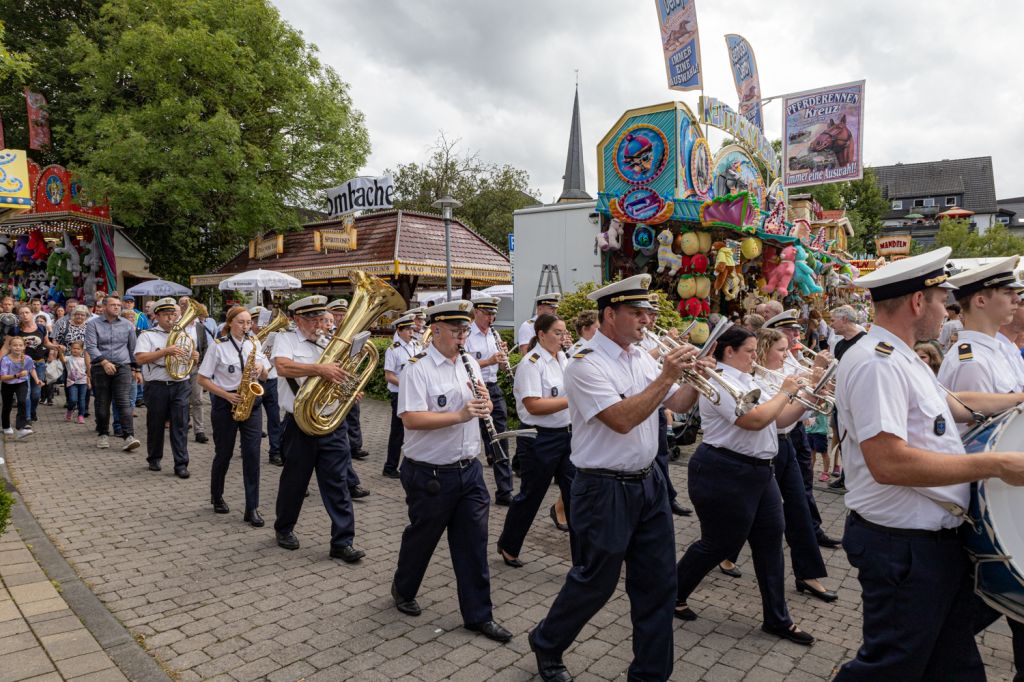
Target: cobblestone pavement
<point x="213" y="598"/>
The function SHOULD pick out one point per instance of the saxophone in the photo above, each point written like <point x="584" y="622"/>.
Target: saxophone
<point x="179" y="368"/>
<point x="250" y="388"/>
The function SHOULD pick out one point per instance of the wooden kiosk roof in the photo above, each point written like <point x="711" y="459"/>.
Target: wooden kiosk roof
<point x="390" y="244"/>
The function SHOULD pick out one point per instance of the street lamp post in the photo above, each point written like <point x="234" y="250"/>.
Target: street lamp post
<point x="446" y="204"/>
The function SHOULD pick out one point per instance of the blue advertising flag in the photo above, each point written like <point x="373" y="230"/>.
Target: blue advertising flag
<point x="681" y="43"/>
<point x="744" y="74"/>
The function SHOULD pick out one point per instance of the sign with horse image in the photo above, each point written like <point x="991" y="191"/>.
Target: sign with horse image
<point x="823" y="135"/>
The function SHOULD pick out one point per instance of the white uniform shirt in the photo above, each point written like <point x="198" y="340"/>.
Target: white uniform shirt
<point x="604" y="376"/>
<point x="225" y="359"/>
<point x="984" y="367"/>
<point x="268" y="350"/>
<point x="433" y="383"/>
<point x="481" y="345"/>
<point x="294" y="346"/>
<point x="152" y="340"/>
<point x="541" y="375"/>
<point x="397" y="356"/>
<point x="769" y="390"/>
<point x="718" y="422"/>
<point x="526" y="332"/>
<point x="1013" y="356"/>
<point x="887" y="388"/>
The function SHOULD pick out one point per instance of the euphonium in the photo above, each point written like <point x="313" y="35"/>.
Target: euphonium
<point x="278" y="322"/>
<point x="180" y="367"/>
<point x="322" y="405"/>
<point x="250" y="388"/>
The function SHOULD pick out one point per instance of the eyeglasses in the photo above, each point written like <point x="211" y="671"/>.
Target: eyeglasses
<point x="457" y="332"/>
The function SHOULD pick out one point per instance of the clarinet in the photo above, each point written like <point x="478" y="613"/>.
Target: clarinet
<point x="505" y="366"/>
<point x="492" y="432"/>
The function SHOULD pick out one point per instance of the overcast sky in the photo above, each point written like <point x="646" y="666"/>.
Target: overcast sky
<point x="943" y="79"/>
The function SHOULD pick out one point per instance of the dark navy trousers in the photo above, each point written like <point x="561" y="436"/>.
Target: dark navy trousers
<point x="918" y="607"/>
<point x="805" y="458"/>
<point x="329" y="457"/>
<point x="985" y="615"/>
<point x="737" y="500"/>
<point x="803" y="544"/>
<point x="459" y="506"/>
<point x="662" y="458"/>
<point x="273" y="412"/>
<point x="396" y="437"/>
<point x="619" y="522"/>
<point x="167" y="401"/>
<point x="354" y="428"/>
<point x="225" y="430"/>
<point x="547" y="459"/>
<point x="497" y="455"/>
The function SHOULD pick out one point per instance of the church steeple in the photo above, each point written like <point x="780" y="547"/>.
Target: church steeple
<point x="574" y="186"/>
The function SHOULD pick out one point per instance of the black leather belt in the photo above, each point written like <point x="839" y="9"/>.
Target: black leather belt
<point x="945" y="533"/>
<point x="746" y="459"/>
<point x="165" y="383"/>
<point x="784" y="435"/>
<point x="461" y="464"/>
<point x="553" y="429"/>
<point x="618" y="475"/>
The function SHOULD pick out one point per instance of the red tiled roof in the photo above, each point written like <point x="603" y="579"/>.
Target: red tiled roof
<point x="390" y="243"/>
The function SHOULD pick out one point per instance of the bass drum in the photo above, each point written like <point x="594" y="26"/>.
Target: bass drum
<point x="995" y="533"/>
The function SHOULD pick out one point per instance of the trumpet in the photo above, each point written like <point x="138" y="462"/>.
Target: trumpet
<point x="745" y="402"/>
<point x="816" y="398"/>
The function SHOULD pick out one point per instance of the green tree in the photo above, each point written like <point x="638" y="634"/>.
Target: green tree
<point x="201" y="121"/>
<point x="864" y="204"/>
<point x="997" y="240"/>
<point x="489" y="192"/>
<point x="14" y="66"/>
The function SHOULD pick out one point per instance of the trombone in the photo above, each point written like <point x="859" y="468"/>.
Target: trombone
<point x="816" y="399"/>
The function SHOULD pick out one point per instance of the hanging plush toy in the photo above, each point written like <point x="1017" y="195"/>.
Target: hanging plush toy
<point x="59" y="270"/>
<point x="782" y="274"/>
<point x="690" y="243"/>
<point x="74" y="260"/>
<point x="804" y="275"/>
<point x="5" y="245"/>
<point x="667" y="259"/>
<point x="38" y="246"/>
<point x="21" y="251"/>
<point x="611" y="239"/>
<point x="725" y="264"/>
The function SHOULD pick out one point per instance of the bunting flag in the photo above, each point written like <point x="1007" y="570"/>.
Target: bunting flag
<point x="744" y="75"/>
<point x="38" y="120"/>
<point x="681" y="43"/>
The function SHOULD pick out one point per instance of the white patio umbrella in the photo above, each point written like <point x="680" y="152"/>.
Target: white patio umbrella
<point x="258" y="280"/>
<point x="159" y="287"/>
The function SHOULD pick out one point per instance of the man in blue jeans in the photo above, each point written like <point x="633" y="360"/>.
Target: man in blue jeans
<point x="110" y="343"/>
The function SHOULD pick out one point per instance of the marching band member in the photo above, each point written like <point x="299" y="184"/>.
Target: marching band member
<point x="620" y="509"/>
<point x="805" y="555"/>
<point x="482" y="346"/>
<point x="295" y="355"/>
<point x="338" y="310"/>
<point x="269" y="399"/>
<point x="908" y="480"/>
<point x="221" y="374"/>
<point x="541" y="404"/>
<point x="419" y="326"/>
<point x="441" y="475"/>
<point x="546" y="304"/>
<point x="585" y="325"/>
<point x="988" y="298"/>
<point x="395" y="359"/>
<point x="166" y="398"/>
<point x="733" y="488"/>
<point x="1007" y="333"/>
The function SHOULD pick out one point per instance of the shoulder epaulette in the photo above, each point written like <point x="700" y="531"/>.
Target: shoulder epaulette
<point x="418" y="356"/>
<point x="965" y="352"/>
<point x="534" y="357"/>
<point x="884" y="348"/>
<point x="396" y="344"/>
<point x="221" y="339"/>
<point x="583" y="352"/>
<point x="529" y="322"/>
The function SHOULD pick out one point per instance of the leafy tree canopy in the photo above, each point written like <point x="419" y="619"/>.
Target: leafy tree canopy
<point x="997" y="240"/>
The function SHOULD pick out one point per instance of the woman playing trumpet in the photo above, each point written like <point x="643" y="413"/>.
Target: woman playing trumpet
<point x="733" y="489"/>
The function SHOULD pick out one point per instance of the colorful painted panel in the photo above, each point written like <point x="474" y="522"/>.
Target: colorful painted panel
<point x="823" y="135"/>
<point x="15" y="187"/>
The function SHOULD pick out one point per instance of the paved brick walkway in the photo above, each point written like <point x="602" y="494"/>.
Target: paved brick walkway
<point x="215" y="599"/>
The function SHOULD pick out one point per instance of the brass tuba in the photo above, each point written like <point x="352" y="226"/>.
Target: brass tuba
<point x="180" y="367"/>
<point x="321" y="405"/>
<point x="250" y="388"/>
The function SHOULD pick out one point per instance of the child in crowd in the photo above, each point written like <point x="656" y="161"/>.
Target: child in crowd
<point x="817" y="437"/>
<point x="79" y="382"/>
<point x="15" y="372"/>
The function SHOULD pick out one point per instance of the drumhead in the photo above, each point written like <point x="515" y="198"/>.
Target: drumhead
<point x="1006" y="502"/>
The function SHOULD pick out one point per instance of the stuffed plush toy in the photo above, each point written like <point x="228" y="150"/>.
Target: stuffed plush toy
<point x="667" y="259"/>
<point x="21" y="251"/>
<point x="5" y="245"/>
<point x="38" y="246"/>
<point x="804" y="275"/>
<point x="782" y="274"/>
<point x="59" y="270"/>
<point x="611" y="239"/>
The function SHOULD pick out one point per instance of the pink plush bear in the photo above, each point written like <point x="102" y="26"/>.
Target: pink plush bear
<point x="782" y="274"/>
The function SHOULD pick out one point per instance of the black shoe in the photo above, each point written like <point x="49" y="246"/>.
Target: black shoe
<point x="347" y="553"/>
<point x="550" y="668"/>
<point x="407" y="606"/>
<point x="503" y="500"/>
<point x="154" y="466"/>
<point x="287" y="540"/>
<point x="839" y="483"/>
<point x="263" y="434"/>
<point x="824" y="595"/>
<point x="360" y="454"/>
<point x="827" y="542"/>
<point x="201" y="438"/>
<point x="514" y="562"/>
<point x="181" y="472"/>
<point x="253" y="518"/>
<point x="564" y="527"/>
<point x="358" y="491"/>
<point x="680" y="510"/>
<point x="490" y="630"/>
<point x="684" y="613"/>
<point x="220" y="506"/>
<point x="391" y="473"/>
<point x="138" y="403"/>
<point x="792" y="633"/>
<point x="733" y="572"/>
<point x="276" y="460"/>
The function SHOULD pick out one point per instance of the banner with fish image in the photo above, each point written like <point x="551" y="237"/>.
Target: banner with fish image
<point x="744" y="74"/>
<point x="823" y="135"/>
<point x="681" y="43"/>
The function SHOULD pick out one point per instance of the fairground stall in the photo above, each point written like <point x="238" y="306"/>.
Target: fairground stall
<point x="714" y="229"/>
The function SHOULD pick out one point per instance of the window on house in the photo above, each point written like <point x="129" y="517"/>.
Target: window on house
<point x="918" y="203"/>
<point x="897" y="205"/>
<point x="950" y="201"/>
<point x="1005" y="220"/>
<point x="929" y="202"/>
